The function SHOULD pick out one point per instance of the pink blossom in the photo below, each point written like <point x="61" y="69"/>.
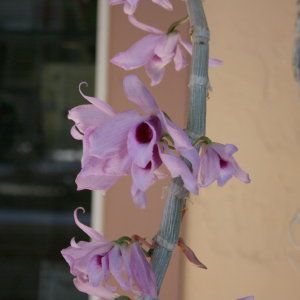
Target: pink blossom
<point x="155" y="51"/>
<point x="94" y="263"/>
<point x="130" y="6"/>
<point x="118" y="144"/>
<point x="217" y="163"/>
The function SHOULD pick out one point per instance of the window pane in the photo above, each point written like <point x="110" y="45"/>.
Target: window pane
<point x="47" y="47"/>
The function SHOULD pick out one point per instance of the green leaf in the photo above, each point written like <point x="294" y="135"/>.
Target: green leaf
<point x="123" y="241"/>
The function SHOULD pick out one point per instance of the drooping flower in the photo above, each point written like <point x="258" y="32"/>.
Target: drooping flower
<point x="130" y="6"/>
<point x="217" y="163"/>
<point x="155" y="51"/>
<point x="94" y="263"/>
<point x="118" y="144"/>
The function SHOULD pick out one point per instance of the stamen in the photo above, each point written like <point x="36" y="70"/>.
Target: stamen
<point x="223" y="163"/>
<point x="99" y="260"/>
<point x="144" y="133"/>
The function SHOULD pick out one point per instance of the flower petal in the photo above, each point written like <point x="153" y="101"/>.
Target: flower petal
<point x="116" y="267"/>
<point x="95" y="270"/>
<point x="85" y="116"/>
<point x="225" y="151"/>
<point x="232" y="168"/>
<point x="165" y="48"/>
<point x="99" y="291"/>
<point x="187" y="46"/>
<point x="137" y="93"/>
<point x="225" y="174"/>
<point x="141" y="140"/>
<point x="182" y="143"/>
<point x="103" y="106"/>
<point x="138" y="54"/>
<point x="142" y="178"/>
<point x="95" y="182"/>
<point x="130" y="6"/>
<point x="178" y="168"/>
<point x="213" y="62"/>
<point x="164" y="3"/>
<point x="180" y="60"/>
<point x="181" y="140"/>
<point x="138" y="197"/>
<point x="247" y="298"/>
<point x="155" y="69"/>
<point x="93" y="234"/>
<point x="210" y="166"/>
<point x="78" y="258"/>
<point x="75" y="133"/>
<point x="143" y="26"/>
<point x="142" y="272"/>
<point x="116" y="2"/>
<point x="101" y="174"/>
<point x="239" y="173"/>
<point x="111" y="137"/>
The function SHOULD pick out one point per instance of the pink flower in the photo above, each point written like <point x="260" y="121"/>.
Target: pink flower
<point x="155" y="51"/>
<point x="118" y="144"/>
<point x="217" y="163"/>
<point x="94" y="263"/>
<point x="131" y="5"/>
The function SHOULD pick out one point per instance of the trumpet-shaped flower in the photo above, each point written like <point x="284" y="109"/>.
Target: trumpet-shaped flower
<point x="155" y="51"/>
<point x="217" y="163"/>
<point x="130" y="6"/>
<point x="94" y="263"/>
<point x="118" y="144"/>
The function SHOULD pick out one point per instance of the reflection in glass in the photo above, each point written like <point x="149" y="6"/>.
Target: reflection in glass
<point x="47" y="47"/>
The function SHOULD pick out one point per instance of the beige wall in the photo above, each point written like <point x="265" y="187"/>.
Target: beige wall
<point x="239" y="231"/>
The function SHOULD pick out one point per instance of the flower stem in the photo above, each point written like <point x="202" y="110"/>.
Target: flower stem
<point x="177" y="23"/>
<point x="167" y="237"/>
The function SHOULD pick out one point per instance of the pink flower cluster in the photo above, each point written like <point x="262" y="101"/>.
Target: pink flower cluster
<point x="96" y="262"/>
<point x="117" y="144"/>
<point x="155" y="51"/>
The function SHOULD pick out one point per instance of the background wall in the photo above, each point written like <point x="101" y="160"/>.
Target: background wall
<point x="240" y="231"/>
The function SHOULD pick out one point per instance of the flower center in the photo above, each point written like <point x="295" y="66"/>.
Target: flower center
<point x="148" y="166"/>
<point x="99" y="260"/>
<point x="144" y="133"/>
<point x="223" y="163"/>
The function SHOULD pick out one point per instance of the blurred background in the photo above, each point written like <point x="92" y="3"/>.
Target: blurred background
<point x="247" y="235"/>
<point x="46" y="49"/>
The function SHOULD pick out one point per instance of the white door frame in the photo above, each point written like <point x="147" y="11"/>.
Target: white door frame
<point x="101" y="83"/>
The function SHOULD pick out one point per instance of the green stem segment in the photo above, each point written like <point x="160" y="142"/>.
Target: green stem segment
<point x="168" y="234"/>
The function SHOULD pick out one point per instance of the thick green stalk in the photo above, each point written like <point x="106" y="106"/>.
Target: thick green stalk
<point x="167" y="237"/>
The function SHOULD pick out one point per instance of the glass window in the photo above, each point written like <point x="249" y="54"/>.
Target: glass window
<point x="47" y="47"/>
